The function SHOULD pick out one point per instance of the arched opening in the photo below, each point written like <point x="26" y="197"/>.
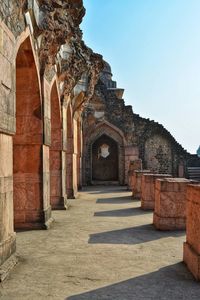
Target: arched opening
<point x="105" y="159"/>
<point x="56" y="199"/>
<point x="27" y="143"/>
<point x="70" y="151"/>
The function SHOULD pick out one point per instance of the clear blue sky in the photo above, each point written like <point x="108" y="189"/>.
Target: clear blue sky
<point x="153" y="47"/>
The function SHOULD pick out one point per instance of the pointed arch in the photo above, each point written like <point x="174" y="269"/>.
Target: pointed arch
<point x="103" y="128"/>
<point x="27" y="142"/>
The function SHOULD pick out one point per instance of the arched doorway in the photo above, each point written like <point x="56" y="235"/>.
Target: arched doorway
<point x="27" y="143"/>
<point x="105" y="159"/>
<point x="56" y="199"/>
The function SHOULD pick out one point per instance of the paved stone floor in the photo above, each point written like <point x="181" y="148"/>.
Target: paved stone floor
<point x="104" y="247"/>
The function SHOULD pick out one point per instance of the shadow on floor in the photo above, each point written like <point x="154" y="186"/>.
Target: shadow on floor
<point x="127" y="212"/>
<point x="105" y="189"/>
<point x="171" y="282"/>
<point x="132" y="235"/>
<point x="115" y="200"/>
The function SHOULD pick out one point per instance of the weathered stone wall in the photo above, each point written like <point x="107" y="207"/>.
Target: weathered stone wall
<point x="7" y="127"/>
<point x="41" y="46"/>
<point x="158" y="156"/>
<point x="11" y="14"/>
<point x="143" y="138"/>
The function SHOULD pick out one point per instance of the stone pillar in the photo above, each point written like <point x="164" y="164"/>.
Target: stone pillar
<point x="191" y="255"/>
<point x="131" y="154"/>
<point x="46" y="219"/>
<point x="148" y="189"/>
<point x="137" y="183"/>
<point x="64" y="156"/>
<point x="79" y="162"/>
<point x="170" y="203"/>
<point x="75" y="157"/>
<point x="7" y="129"/>
<point x="70" y="158"/>
<point x="7" y="234"/>
<point x="134" y="165"/>
<point x="69" y="176"/>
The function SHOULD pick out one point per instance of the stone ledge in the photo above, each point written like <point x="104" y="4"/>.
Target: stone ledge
<point x="192" y="259"/>
<point x="7" y="266"/>
<point x="165" y="223"/>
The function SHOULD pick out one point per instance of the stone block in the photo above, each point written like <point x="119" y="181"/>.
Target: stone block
<point x="7" y="235"/>
<point x="148" y="189"/>
<point x="137" y="183"/>
<point x="191" y="254"/>
<point x="133" y="165"/>
<point x="170" y="203"/>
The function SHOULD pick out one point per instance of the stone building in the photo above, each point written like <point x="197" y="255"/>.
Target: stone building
<point x="63" y="122"/>
<point x="108" y="122"/>
<point x="47" y="73"/>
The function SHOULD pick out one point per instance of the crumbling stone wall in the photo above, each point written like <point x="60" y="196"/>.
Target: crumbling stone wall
<point x="146" y="139"/>
<point x="40" y="40"/>
<point x="158" y="154"/>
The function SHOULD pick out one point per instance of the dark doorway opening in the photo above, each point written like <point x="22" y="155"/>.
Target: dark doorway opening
<point x="105" y="159"/>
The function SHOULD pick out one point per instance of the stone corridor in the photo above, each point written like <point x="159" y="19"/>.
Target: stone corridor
<point x="103" y="247"/>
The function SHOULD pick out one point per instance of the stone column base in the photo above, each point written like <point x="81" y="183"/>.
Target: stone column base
<point x="147" y="205"/>
<point x="70" y="194"/>
<point x="7" y="256"/>
<point x="7" y="267"/>
<point x="59" y="206"/>
<point x="192" y="260"/>
<point x="136" y="196"/>
<point x="39" y="220"/>
<point x="164" y="223"/>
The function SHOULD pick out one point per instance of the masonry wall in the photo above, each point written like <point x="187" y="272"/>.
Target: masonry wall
<point x="41" y="77"/>
<point x="143" y="138"/>
<point x="7" y="129"/>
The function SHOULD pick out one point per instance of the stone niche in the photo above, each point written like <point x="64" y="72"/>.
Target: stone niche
<point x="170" y="203"/>
<point x="148" y="189"/>
<point x="191" y="254"/>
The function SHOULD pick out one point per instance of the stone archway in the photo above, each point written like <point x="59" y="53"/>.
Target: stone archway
<point x="27" y="143"/>
<point x="112" y="132"/>
<point x="56" y="199"/>
<point x="105" y="159"/>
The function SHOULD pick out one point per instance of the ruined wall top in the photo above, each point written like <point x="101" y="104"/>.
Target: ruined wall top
<point x="57" y="38"/>
<point x="108" y="105"/>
